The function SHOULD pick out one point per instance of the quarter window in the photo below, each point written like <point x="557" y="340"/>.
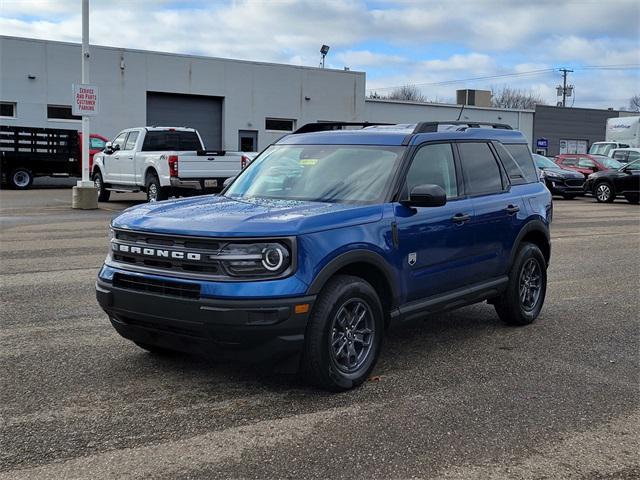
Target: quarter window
<point x="524" y="164"/>
<point x="480" y="169"/>
<point x="434" y="164"/>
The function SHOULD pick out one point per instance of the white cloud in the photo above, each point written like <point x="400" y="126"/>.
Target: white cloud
<point x="470" y="38"/>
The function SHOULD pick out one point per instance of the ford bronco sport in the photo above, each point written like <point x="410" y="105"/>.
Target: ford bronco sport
<point x="329" y="236"/>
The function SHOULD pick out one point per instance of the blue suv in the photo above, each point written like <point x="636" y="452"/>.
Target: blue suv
<point x="332" y="234"/>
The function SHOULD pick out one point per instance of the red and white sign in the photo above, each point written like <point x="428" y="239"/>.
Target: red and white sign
<point x="85" y="100"/>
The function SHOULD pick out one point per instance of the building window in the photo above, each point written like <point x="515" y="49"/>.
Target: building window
<point x="61" y="112"/>
<point x="279" y="124"/>
<point x="7" y="109"/>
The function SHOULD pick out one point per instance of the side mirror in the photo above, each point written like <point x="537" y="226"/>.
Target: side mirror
<point x="228" y="181"/>
<point x="426" y="196"/>
<point x="108" y="148"/>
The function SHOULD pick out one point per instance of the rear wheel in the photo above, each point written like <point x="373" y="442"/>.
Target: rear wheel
<point x="604" y="193"/>
<point x="155" y="192"/>
<point x="522" y="301"/>
<point x="103" y="194"/>
<point x="344" y="334"/>
<point x="20" y="178"/>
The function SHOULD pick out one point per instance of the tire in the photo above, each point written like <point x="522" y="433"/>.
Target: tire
<point x="515" y="306"/>
<point x="20" y="178"/>
<point x="329" y="336"/>
<point x="569" y="196"/>
<point x="155" y="192"/>
<point x="635" y="199"/>
<point x="103" y="195"/>
<point x="156" y="350"/>
<point x="604" y="193"/>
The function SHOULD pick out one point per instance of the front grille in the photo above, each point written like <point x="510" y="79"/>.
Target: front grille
<point x="172" y="328"/>
<point x="152" y="285"/>
<point x="574" y="182"/>
<point x="160" y="252"/>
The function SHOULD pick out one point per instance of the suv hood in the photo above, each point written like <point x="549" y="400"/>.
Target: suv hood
<point x="225" y="217"/>
<point x="563" y="172"/>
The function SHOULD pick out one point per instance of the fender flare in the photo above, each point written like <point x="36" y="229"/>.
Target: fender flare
<point x="351" y="257"/>
<point x="531" y="226"/>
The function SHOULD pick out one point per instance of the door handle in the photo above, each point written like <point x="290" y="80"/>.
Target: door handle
<point x="129" y="158"/>
<point x="511" y="209"/>
<point x="117" y="158"/>
<point x="461" y="217"/>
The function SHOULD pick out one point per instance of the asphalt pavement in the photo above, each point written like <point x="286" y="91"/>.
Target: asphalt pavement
<point x="454" y="396"/>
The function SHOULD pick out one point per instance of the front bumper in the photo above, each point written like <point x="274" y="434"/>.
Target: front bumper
<point x="244" y="329"/>
<point x="565" y="187"/>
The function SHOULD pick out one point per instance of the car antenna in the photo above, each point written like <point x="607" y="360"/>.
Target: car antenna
<point x="460" y="114"/>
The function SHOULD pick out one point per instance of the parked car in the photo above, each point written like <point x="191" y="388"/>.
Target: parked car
<point x="163" y="161"/>
<point x="586" y="163"/>
<point x="29" y="152"/>
<point x="559" y="181"/>
<point x="327" y="238"/>
<point x="625" y="181"/>
<point x="626" y="155"/>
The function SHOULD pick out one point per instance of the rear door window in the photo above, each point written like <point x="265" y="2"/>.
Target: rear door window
<point x="480" y="169"/>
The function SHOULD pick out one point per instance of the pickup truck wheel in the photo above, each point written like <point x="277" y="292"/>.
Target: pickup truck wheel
<point x="20" y="178"/>
<point x="522" y="301"/>
<point x="103" y="194"/>
<point x="344" y="334"/>
<point x="155" y="193"/>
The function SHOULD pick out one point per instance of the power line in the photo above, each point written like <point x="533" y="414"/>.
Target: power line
<point x="628" y="66"/>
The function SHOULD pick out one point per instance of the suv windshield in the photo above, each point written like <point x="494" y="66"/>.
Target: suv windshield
<point x="323" y="173"/>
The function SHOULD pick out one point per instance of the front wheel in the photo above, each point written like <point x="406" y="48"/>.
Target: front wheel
<point x="103" y="194"/>
<point x="155" y="192"/>
<point x="604" y="193"/>
<point x="522" y="301"/>
<point x="20" y="179"/>
<point x="344" y="334"/>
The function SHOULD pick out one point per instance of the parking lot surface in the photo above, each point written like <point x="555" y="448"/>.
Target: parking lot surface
<point x="454" y="396"/>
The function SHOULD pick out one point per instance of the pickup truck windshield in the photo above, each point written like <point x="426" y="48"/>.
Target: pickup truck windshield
<point x="175" y="140"/>
<point x="323" y="173"/>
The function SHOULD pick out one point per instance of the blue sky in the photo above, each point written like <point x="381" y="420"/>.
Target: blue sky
<point x="396" y="42"/>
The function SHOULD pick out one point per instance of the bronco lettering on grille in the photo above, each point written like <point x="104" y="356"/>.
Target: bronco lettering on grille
<point x="156" y="252"/>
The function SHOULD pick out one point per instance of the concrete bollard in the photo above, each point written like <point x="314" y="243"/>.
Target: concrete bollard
<point x="84" y="198"/>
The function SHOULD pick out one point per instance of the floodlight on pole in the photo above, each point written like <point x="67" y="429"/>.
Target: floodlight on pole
<point x="323" y="52"/>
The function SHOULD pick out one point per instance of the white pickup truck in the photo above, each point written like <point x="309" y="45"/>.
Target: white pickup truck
<point x="163" y="161"/>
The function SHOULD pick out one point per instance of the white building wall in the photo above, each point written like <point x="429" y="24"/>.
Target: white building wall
<point x="251" y="90"/>
<point x="394" y="111"/>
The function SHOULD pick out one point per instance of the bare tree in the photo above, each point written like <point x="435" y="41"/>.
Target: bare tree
<point x="409" y="93"/>
<point x="509" y="97"/>
<point x="634" y="103"/>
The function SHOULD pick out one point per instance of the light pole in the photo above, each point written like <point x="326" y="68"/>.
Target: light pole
<point x="84" y="193"/>
<point x="323" y="53"/>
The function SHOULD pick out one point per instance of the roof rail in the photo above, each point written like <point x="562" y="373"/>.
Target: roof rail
<point x="324" y="126"/>
<point x="430" y="127"/>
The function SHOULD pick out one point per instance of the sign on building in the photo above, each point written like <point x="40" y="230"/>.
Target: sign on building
<point x="573" y="146"/>
<point x="85" y="100"/>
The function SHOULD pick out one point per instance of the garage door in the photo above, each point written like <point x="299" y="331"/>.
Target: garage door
<point x="196" y="111"/>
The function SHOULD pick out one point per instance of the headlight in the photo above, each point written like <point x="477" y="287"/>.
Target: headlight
<point x="551" y="175"/>
<point x="254" y="259"/>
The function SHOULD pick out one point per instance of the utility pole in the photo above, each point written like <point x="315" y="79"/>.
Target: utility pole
<point x="84" y="193"/>
<point x="564" y="90"/>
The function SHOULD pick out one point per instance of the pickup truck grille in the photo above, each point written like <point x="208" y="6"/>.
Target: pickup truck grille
<point x="166" y="253"/>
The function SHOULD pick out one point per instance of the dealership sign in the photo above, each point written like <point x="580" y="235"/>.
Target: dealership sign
<point x="85" y="100"/>
<point x="542" y="143"/>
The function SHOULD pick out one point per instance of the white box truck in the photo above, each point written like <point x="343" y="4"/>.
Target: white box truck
<point x="621" y="132"/>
